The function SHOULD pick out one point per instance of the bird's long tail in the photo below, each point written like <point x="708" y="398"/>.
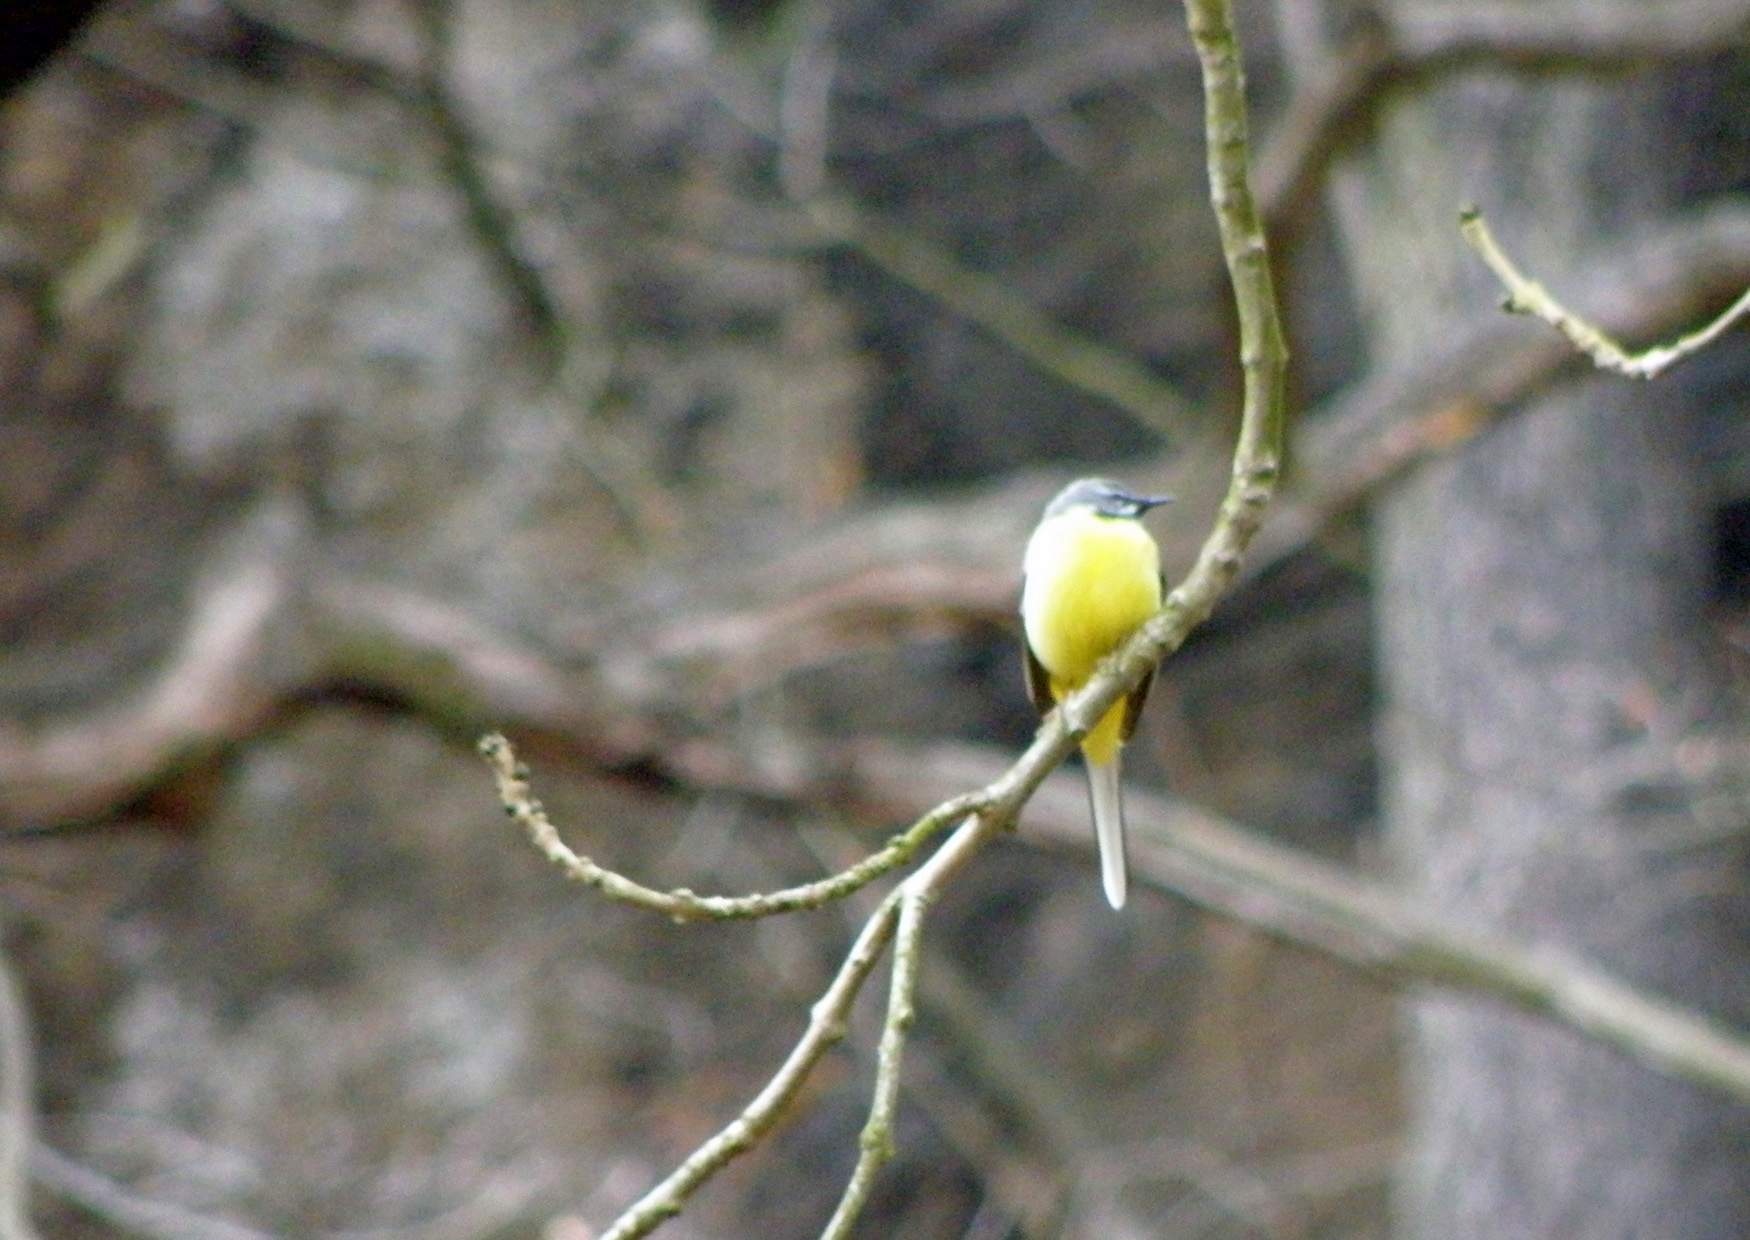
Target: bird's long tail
<point x="1105" y="793"/>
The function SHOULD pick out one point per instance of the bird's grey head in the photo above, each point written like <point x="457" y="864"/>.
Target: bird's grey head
<point x="1105" y="497"/>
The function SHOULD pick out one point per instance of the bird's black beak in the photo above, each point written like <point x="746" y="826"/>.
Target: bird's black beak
<point x="1139" y="504"/>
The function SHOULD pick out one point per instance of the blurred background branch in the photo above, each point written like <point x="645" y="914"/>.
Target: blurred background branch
<point x="889" y="575"/>
<point x="1395" y="45"/>
<point x="17" y="1107"/>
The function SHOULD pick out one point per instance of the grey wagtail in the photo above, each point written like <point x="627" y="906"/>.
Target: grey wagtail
<point x="1093" y="575"/>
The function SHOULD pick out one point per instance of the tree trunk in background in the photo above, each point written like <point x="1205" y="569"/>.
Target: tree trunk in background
<point x="1544" y="655"/>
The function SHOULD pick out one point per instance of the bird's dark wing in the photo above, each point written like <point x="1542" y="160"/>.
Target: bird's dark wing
<point x="1133" y="704"/>
<point x="1038" y="679"/>
<point x="1139" y="695"/>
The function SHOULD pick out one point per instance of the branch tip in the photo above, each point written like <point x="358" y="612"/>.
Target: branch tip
<point x="1527" y="296"/>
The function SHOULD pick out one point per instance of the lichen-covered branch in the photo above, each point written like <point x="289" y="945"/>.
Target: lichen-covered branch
<point x="681" y="904"/>
<point x="1257" y="459"/>
<point x="1256" y="469"/>
<point x="1528" y="296"/>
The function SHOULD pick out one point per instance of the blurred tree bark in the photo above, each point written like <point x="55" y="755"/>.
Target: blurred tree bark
<point x="1546" y="658"/>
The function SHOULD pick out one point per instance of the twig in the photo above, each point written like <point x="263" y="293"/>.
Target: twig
<point x="17" y="1108"/>
<point x="1238" y="873"/>
<point x="681" y="904"/>
<point x="1527" y="296"/>
<point x="1263" y="359"/>
<point x="1257" y="454"/>
<point x="876" y="1144"/>
<point x="120" y="1205"/>
<point x="1032" y="1097"/>
<point x="492" y="223"/>
<point x="1386" y="424"/>
<point x="1316" y="123"/>
<point x="826" y="1026"/>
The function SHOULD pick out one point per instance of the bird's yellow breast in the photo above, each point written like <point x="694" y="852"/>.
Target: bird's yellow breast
<point x="1091" y="580"/>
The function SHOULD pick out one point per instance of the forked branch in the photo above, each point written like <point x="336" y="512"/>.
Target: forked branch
<point x="994" y="808"/>
<point x="1528" y="296"/>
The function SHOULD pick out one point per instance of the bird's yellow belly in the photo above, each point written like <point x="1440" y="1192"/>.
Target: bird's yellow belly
<point x="1089" y="585"/>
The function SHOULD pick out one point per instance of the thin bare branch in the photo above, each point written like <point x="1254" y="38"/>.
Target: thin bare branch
<point x="681" y="904"/>
<point x="1310" y="902"/>
<point x="1528" y="296"/>
<point x="876" y="1145"/>
<point x="1383" y="426"/>
<point x="826" y="1027"/>
<point x="121" y="1206"/>
<point x="493" y="224"/>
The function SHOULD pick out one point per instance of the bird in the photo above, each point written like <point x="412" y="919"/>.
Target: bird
<point x="1090" y="577"/>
